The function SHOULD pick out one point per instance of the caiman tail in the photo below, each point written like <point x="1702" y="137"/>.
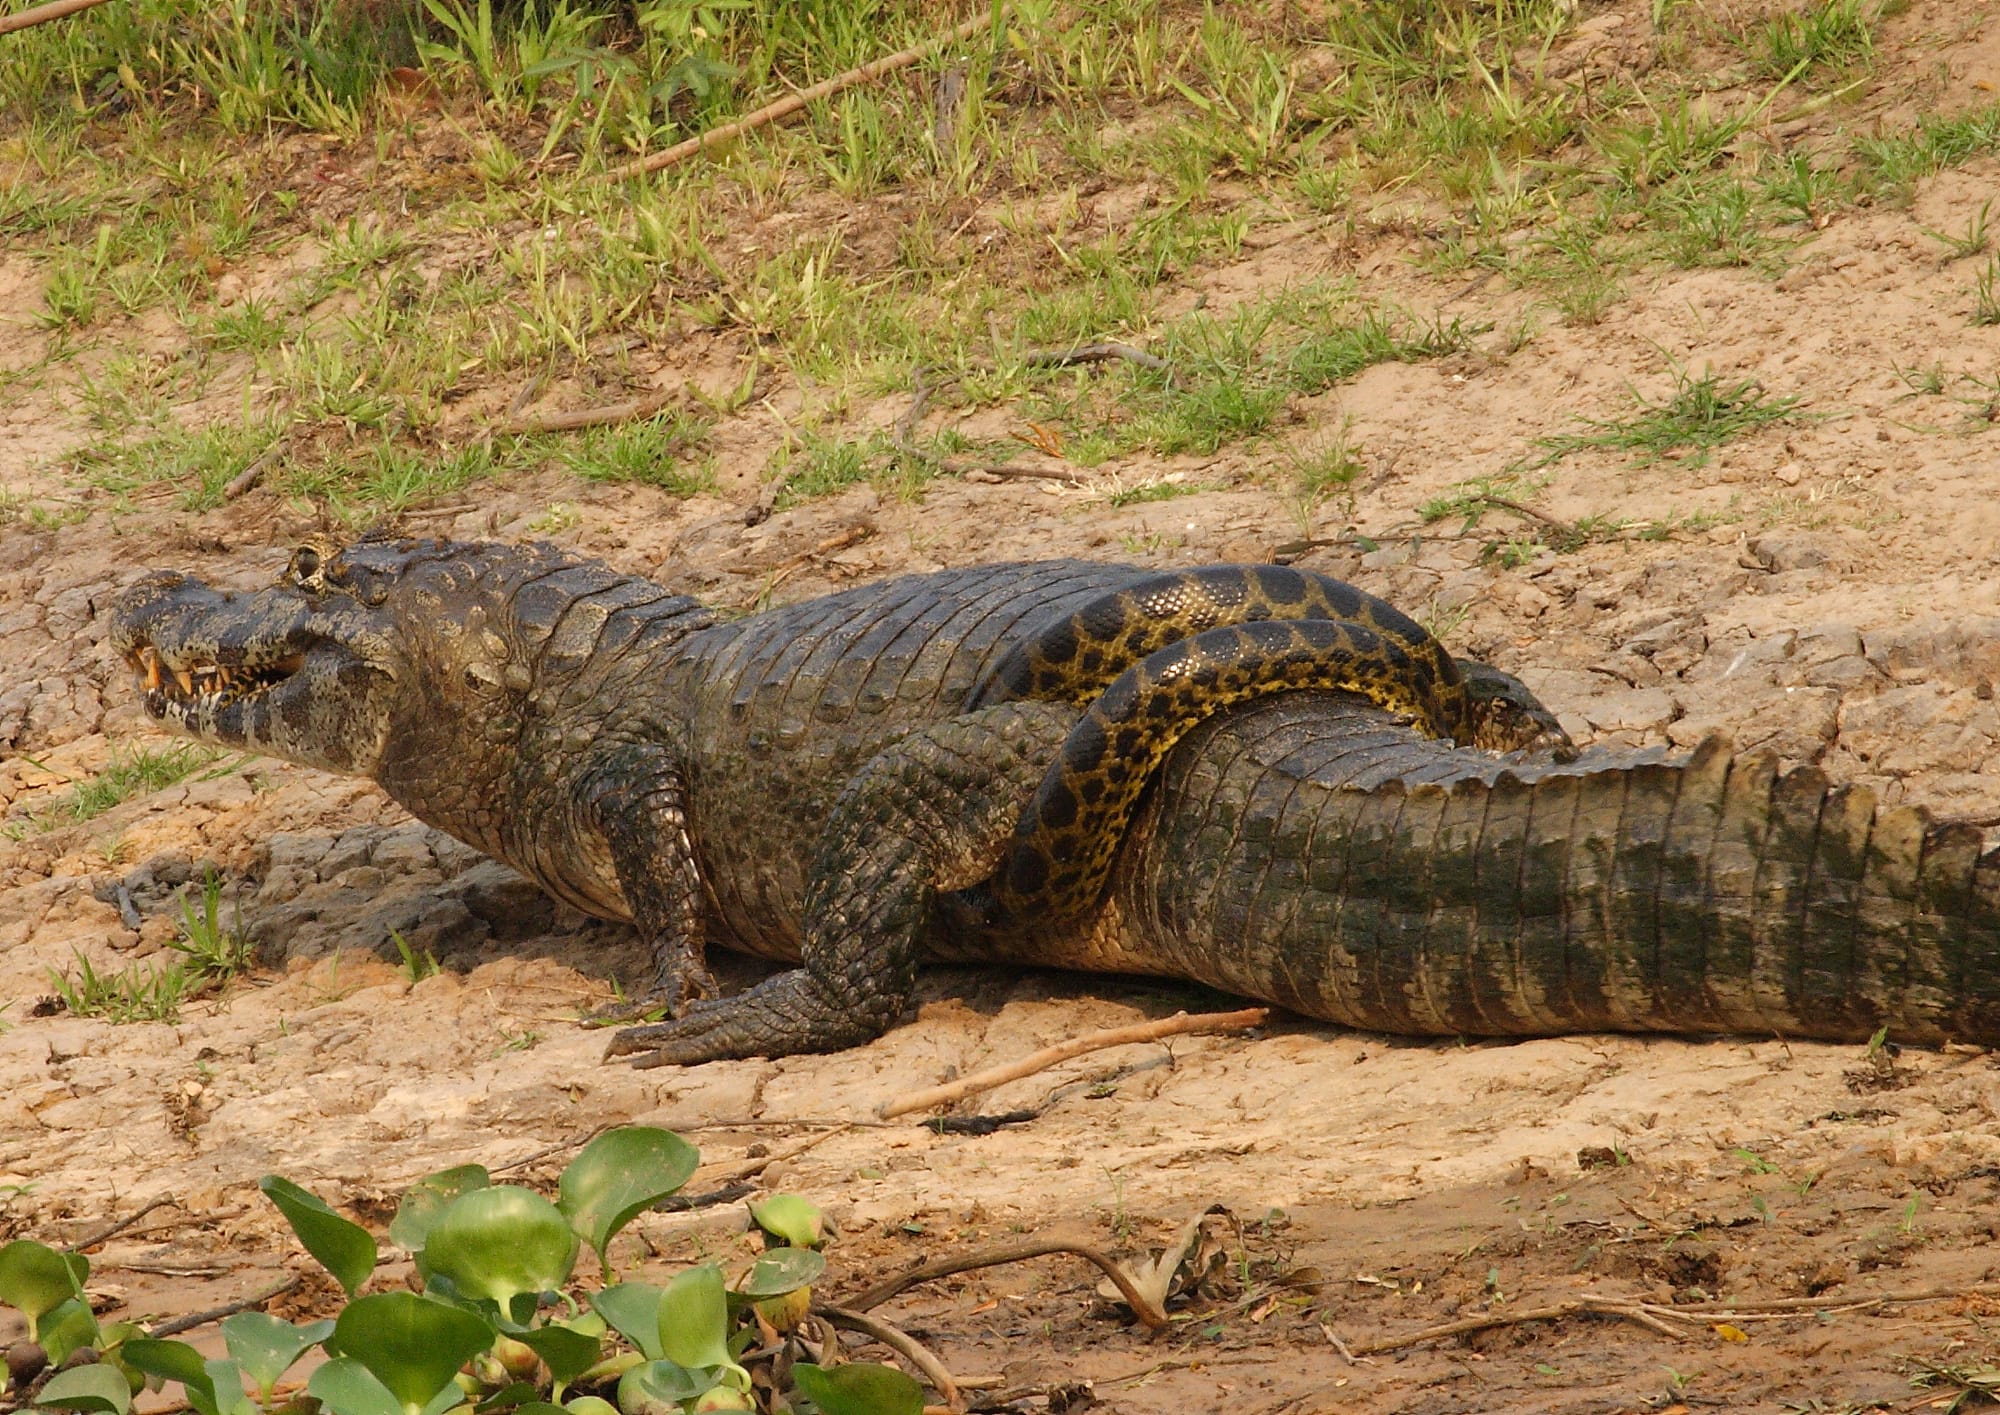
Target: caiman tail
<point x="1316" y="854"/>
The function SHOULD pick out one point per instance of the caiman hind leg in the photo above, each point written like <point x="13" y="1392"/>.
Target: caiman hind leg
<point x="636" y="798"/>
<point x="928" y="815"/>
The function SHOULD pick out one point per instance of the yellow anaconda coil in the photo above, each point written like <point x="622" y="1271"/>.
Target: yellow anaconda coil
<point x="1151" y="661"/>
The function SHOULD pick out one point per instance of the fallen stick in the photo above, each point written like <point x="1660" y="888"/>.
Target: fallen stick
<point x="249" y="476"/>
<point x="743" y="1169"/>
<point x="42" y="14"/>
<point x="1656" y="1316"/>
<point x="1142" y="1306"/>
<point x="900" y="1342"/>
<point x="790" y="104"/>
<point x="228" y="1309"/>
<point x="1180" y="1024"/>
<point x="91" y="1240"/>
<point x="628" y="411"/>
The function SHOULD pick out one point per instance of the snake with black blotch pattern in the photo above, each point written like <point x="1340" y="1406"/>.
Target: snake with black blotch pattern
<point x="1151" y="661"/>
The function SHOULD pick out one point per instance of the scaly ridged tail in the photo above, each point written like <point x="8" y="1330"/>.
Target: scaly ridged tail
<point x="1310" y="853"/>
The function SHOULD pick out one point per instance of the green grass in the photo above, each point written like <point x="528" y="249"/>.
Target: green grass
<point x="210" y="954"/>
<point x="1837" y="34"/>
<point x="151" y="169"/>
<point x="1703" y="412"/>
<point x="125" y="776"/>
<point x="652" y="453"/>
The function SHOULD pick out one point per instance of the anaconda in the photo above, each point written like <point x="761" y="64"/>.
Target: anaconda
<point x="804" y="784"/>
<point x="1148" y="662"/>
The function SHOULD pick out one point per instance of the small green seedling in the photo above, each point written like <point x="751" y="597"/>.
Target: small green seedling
<point x="619" y="1175"/>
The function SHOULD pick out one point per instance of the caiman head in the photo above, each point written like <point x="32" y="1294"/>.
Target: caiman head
<point x="378" y="649"/>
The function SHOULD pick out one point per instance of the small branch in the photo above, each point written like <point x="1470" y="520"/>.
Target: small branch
<point x="42" y="14"/>
<point x="1521" y="508"/>
<point x="216" y="1314"/>
<point x="1097" y="354"/>
<point x="1014" y="471"/>
<point x="1658" y="1317"/>
<point x="746" y="1168"/>
<point x="250" y="475"/>
<point x="790" y="104"/>
<point x="91" y="1240"/>
<point x="1593" y="1306"/>
<point x="900" y="1342"/>
<point x="629" y="411"/>
<point x="1180" y="1024"/>
<point x="1141" y="1305"/>
<point x="574" y="1142"/>
<point x="686" y="1203"/>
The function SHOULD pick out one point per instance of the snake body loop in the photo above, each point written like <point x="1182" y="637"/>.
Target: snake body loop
<point x="1149" y="662"/>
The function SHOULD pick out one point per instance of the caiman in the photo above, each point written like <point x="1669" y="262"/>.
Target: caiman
<point x="852" y="781"/>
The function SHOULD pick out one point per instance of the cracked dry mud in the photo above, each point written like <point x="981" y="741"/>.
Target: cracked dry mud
<point x="1847" y="612"/>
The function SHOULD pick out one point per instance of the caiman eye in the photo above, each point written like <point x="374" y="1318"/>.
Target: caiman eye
<point x="306" y="569"/>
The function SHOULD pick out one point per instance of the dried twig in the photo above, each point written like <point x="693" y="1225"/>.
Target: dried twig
<point x="42" y="14"/>
<point x="250" y="475"/>
<point x="790" y="104"/>
<point x="902" y="1343"/>
<point x="1180" y="1024"/>
<point x="228" y="1309"/>
<point x="1562" y="528"/>
<point x="745" y="1168"/>
<point x="1658" y="1317"/>
<point x="574" y="1142"/>
<point x="91" y="1240"/>
<point x="1141" y="1305"/>
<point x="1593" y="1306"/>
<point x="631" y="410"/>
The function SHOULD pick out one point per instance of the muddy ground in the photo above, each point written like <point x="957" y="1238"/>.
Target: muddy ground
<point x="1836" y="600"/>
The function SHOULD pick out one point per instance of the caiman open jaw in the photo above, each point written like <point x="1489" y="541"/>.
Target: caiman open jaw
<point x="268" y="672"/>
<point x="202" y="689"/>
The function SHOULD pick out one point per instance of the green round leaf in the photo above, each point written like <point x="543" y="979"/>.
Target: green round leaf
<point x="501" y="1243"/>
<point x="617" y="1175"/>
<point x="63" y="1329"/>
<point x="797" y="1221"/>
<point x="225" y="1377"/>
<point x="590" y="1405"/>
<point x="567" y="1353"/>
<point x="342" y="1247"/>
<point x="860" y="1388"/>
<point x="266" y="1347"/>
<point x="429" y="1197"/>
<point x="662" y="1387"/>
<point x="413" y="1345"/>
<point x="37" y="1279"/>
<point x="169" y="1360"/>
<point x="694" y="1318"/>
<point x="634" y="1309"/>
<point x="780" y="1271"/>
<point x="93" y="1387"/>
<point x="345" y="1387"/>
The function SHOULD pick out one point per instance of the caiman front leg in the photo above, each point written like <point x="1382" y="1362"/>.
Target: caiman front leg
<point x="928" y="815"/>
<point x="636" y="798"/>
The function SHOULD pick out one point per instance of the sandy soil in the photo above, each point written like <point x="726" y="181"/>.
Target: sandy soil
<point x="1844" y="611"/>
